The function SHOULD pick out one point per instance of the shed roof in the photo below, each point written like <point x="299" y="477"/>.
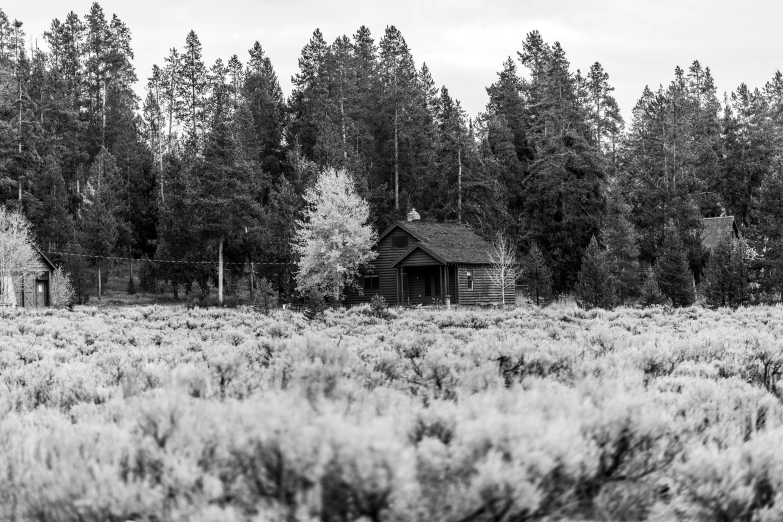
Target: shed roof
<point x="716" y="229"/>
<point x="43" y="256"/>
<point x="450" y="243"/>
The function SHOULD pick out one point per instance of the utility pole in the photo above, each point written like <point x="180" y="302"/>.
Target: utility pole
<point x="220" y="272"/>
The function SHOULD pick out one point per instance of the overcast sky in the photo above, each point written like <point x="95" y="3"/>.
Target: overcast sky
<point x="464" y="43"/>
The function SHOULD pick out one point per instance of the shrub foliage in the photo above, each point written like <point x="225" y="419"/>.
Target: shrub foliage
<point x="213" y="414"/>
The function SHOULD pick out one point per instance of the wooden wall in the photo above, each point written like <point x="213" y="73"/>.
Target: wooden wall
<point x="483" y="289"/>
<point x="419" y="258"/>
<point x="25" y="287"/>
<point x="387" y="254"/>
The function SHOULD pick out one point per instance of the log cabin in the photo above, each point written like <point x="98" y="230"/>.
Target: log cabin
<point x="717" y="229"/>
<point x="424" y="263"/>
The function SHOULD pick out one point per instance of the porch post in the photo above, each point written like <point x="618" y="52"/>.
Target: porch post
<point x="447" y="291"/>
<point x="456" y="283"/>
<point x="440" y="276"/>
<point x="399" y="282"/>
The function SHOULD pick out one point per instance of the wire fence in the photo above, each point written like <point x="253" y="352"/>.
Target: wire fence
<point x="164" y="261"/>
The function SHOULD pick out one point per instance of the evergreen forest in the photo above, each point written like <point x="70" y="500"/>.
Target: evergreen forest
<point x="215" y="158"/>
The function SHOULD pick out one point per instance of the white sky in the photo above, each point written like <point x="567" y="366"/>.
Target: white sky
<point x="463" y="42"/>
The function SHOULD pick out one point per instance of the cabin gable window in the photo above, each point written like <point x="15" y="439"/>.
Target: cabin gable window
<point x="400" y="241"/>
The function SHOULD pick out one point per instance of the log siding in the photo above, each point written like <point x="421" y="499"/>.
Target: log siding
<point x="420" y="264"/>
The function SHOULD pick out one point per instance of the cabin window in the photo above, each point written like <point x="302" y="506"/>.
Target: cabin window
<point x="400" y="241"/>
<point x="372" y="282"/>
<point x="469" y="279"/>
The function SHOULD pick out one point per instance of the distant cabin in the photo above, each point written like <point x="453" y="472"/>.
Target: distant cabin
<point x="420" y="263"/>
<point x="32" y="290"/>
<point x="718" y="229"/>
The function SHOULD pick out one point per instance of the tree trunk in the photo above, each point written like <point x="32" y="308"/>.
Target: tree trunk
<point x="342" y="117"/>
<point x="220" y="272"/>
<point x="171" y="115"/>
<point x="19" y="79"/>
<point x="99" y="280"/>
<point x="103" y="115"/>
<point x="396" y="163"/>
<point x="459" y="185"/>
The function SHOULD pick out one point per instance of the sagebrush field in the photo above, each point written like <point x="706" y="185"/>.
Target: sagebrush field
<point x="158" y="413"/>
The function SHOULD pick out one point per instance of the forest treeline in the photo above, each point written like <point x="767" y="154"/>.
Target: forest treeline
<point x="215" y="158"/>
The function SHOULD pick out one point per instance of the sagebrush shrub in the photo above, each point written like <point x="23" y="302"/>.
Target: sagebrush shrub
<point x="548" y="413"/>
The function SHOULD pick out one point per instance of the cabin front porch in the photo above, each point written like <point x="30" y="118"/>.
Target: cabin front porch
<point x="426" y="285"/>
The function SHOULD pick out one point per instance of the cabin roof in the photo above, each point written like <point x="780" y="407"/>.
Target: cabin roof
<point x="43" y="256"/>
<point x="716" y="229"/>
<point x="449" y="243"/>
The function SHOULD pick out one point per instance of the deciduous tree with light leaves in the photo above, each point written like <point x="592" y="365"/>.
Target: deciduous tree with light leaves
<point x="504" y="267"/>
<point x="17" y="253"/>
<point x="334" y="239"/>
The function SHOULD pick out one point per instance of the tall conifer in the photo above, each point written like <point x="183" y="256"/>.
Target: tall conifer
<point x="674" y="277"/>
<point x="595" y="285"/>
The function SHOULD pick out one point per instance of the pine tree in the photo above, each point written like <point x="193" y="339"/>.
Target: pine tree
<point x="599" y="89"/>
<point x="670" y="160"/>
<point x="562" y="198"/>
<point x="226" y="194"/>
<point x="674" y="277"/>
<point x="717" y="278"/>
<point x="51" y="218"/>
<point x="651" y="294"/>
<point x="767" y="233"/>
<point x="100" y="228"/>
<point x="262" y="98"/>
<point x="306" y="104"/>
<point x="595" y="285"/>
<point x="740" y="273"/>
<point x="192" y="91"/>
<point x="536" y="277"/>
<point x="399" y="78"/>
<point x="506" y="150"/>
<point x="748" y="135"/>
<point x="725" y="281"/>
<point x="620" y="236"/>
<point x="171" y="104"/>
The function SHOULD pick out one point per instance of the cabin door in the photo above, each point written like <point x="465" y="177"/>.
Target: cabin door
<point x="41" y="293"/>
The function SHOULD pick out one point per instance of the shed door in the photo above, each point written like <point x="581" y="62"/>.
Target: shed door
<point x="27" y="293"/>
<point x="41" y="292"/>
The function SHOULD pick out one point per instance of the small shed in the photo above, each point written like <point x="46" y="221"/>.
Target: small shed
<point x="718" y="229"/>
<point x="31" y="290"/>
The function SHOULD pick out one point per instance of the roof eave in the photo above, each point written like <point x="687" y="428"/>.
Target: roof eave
<point x="40" y="252"/>
<point x="400" y="224"/>
<point x="425" y="249"/>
